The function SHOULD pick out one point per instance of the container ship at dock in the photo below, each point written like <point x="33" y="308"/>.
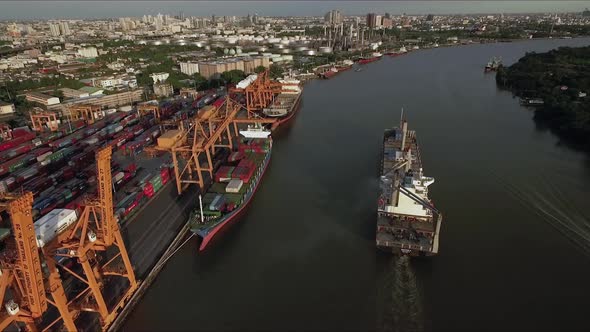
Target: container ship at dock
<point x="407" y="222"/>
<point x="286" y="104"/>
<point x="374" y="57"/>
<point x="235" y="182"/>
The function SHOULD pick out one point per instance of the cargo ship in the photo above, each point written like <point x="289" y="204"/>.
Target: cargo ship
<point x="407" y="221"/>
<point x="346" y="65"/>
<point x="374" y="57"/>
<point x="234" y="184"/>
<point x="401" y="51"/>
<point x="285" y="105"/>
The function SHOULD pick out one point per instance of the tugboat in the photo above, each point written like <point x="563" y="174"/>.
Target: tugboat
<point x="493" y="65"/>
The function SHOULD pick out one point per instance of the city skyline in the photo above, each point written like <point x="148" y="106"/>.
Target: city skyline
<point x="30" y="10"/>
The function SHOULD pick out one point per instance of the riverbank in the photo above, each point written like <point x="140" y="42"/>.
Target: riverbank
<point x="557" y="82"/>
<point x="316" y="71"/>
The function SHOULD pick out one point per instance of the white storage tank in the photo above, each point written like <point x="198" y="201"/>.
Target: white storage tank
<point x="52" y="224"/>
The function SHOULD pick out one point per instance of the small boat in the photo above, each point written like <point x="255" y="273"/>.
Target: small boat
<point x="493" y="65"/>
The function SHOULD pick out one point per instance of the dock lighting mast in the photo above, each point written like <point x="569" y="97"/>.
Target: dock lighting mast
<point x="96" y="238"/>
<point x="22" y="273"/>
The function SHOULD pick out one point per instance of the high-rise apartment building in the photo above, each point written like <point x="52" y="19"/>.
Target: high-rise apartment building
<point x="189" y="68"/>
<point x="64" y="28"/>
<point x="54" y="29"/>
<point x="374" y="21"/>
<point x="333" y="17"/>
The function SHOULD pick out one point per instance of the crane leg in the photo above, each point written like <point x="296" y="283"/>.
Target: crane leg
<point x="130" y="273"/>
<point x="59" y="296"/>
<point x="94" y="286"/>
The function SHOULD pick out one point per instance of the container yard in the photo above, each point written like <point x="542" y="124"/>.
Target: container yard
<point x="94" y="191"/>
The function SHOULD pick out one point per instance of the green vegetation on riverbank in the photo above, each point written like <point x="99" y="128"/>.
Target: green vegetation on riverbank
<point x="561" y="78"/>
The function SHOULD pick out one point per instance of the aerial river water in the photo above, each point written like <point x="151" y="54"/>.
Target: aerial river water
<point x="515" y="243"/>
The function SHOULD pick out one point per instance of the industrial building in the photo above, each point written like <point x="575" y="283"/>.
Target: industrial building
<point x="189" y="68"/>
<point x="163" y="89"/>
<point x="41" y="98"/>
<point x="212" y="69"/>
<point x="112" y="100"/>
<point x="6" y="108"/>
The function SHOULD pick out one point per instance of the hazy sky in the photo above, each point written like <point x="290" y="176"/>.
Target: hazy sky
<point x="108" y="8"/>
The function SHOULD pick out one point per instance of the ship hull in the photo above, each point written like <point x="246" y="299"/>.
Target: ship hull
<point x="287" y="118"/>
<point x="399" y="251"/>
<point x="329" y="74"/>
<point x="368" y="60"/>
<point x="235" y="216"/>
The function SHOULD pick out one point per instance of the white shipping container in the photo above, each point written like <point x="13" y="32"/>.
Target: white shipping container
<point x="247" y="81"/>
<point x="127" y="108"/>
<point x="118" y="128"/>
<point x="44" y="156"/>
<point x="234" y="186"/>
<point x="52" y="224"/>
<point x="110" y="111"/>
<point x="91" y="140"/>
<point x="118" y="176"/>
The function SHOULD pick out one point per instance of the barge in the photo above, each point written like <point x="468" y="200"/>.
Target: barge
<point x="407" y="221"/>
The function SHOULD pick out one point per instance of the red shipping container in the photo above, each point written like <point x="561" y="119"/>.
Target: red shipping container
<point x="41" y="151"/>
<point x="148" y="190"/>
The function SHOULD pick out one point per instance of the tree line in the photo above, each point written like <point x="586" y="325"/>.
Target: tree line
<point x="561" y="78"/>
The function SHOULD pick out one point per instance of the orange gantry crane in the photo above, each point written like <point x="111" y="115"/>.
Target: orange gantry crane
<point x="96" y="243"/>
<point x="39" y="117"/>
<point x="146" y="108"/>
<point x="206" y="132"/>
<point x="23" y="275"/>
<point x="260" y="93"/>
<point x="89" y="113"/>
